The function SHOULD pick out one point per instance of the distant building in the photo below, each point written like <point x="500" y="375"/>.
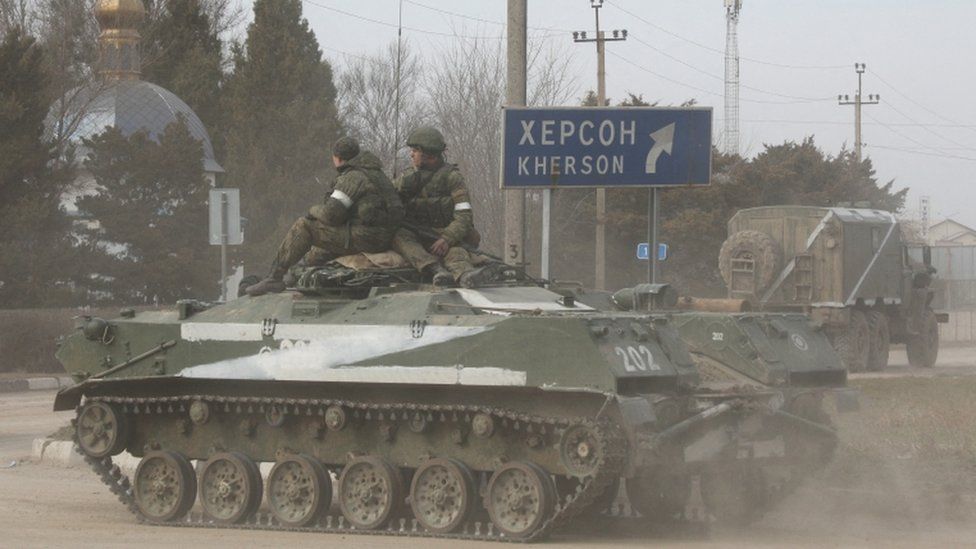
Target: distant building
<point x="119" y="98"/>
<point x="951" y="233"/>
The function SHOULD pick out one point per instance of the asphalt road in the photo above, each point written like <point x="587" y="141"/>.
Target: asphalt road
<point x="953" y="360"/>
<point x="45" y="506"/>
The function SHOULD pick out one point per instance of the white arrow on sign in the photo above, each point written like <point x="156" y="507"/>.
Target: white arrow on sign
<point x="663" y="141"/>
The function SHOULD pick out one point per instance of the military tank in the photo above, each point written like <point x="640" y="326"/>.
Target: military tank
<point x="384" y="405"/>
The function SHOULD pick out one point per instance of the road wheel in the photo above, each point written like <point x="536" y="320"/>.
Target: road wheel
<point x="299" y="490"/>
<point x="520" y="498"/>
<point x="442" y="495"/>
<point x="164" y="486"/>
<point x="101" y="430"/>
<point x="370" y="492"/>
<point x="750" y="246"/>
<point x="923" y="347"/>
<point x="230" y="487"/>
<point x="880" y="341"/>
<point x="852" y="343"/>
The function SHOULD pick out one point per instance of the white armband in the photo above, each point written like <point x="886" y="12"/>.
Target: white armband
<point x="342" y="197"/>
<point x="460" y="206"/>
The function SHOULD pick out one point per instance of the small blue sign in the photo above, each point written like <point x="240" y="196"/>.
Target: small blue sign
<point x="644" y="251"/>
<point x="606" y="147"/>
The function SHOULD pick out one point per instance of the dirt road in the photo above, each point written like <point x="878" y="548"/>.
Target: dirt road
<point x="42" y="506"/>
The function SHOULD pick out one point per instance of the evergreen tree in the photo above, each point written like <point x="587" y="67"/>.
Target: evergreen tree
<point x="281" y="121"/>
<point x="147" y="234"/>
<point x="182" y="53"/>
<point x="34" y="245"/>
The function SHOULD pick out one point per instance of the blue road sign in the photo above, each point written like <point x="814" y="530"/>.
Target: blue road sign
<point x="644" y="251"/>
<point x="606" y="147"/>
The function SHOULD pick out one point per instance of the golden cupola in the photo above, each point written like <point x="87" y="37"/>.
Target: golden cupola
<point x="118" y="43"/>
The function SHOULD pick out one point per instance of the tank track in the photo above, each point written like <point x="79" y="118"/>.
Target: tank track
<point x="612" y="446"/>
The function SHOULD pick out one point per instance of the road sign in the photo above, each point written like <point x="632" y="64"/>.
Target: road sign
<point x="644" y="251"/>
<point x="225" y="216"/>
<point x="606" y="147"/>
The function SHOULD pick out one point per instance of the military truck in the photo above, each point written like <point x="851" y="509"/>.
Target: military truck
<point x="848" y="268"/>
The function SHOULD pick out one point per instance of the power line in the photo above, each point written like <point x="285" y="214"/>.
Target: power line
<point x="716" y="50"/>
<point x="717" y="77"/>
<point x="840" y="123"/>
<point x="900" y="134"/>
<point x="940" y="136"/>
<point x="923" y="153"/>
<point x="480" y="19"/>
<point x="395" y="26"/>
<point x="709" y="92"/>
<point x="918" y="104"/>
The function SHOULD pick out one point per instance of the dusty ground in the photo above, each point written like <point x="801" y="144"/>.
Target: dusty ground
<point x="905" y="476"/>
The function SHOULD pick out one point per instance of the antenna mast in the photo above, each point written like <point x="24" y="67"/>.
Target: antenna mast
<point x="396" y="108"/>
<point x="732" y="8"/>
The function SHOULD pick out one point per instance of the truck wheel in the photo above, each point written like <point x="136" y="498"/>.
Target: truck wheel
<point x="880" y="341"/>
<point x="852" y="343"/>
<point x="923" y="347"/>
<point x="756" y="246"/>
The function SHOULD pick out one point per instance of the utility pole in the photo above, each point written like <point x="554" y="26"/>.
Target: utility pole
<point x="857" y="102"/>
<point x="514" y="252"/>
<point x="601" y="99"/>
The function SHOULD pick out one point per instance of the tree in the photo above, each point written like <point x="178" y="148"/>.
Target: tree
<point x="182" y="53"/>
<point x="465" y="87"/>
<point x="368" y="100"/>
<point x="14" y="14"/>
<point x="146" y="232"/>
<point x="280" y="122"/>
<point x="34" y="247"/>
<point x="69" y="33"/>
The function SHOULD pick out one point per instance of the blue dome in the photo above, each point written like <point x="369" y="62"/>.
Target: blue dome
<point x="130" y="106"/>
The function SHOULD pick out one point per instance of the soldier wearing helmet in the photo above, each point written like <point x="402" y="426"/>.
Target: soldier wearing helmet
<point x="361" y="215"/>
<point x="436" y="199"/>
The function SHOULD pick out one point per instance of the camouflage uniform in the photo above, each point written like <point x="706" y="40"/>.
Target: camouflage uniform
<point x="361" y="215"/>
<point x="437" y="200"/>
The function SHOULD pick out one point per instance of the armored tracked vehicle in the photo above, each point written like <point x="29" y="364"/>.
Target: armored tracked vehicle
<point x="845" y="267"/>
<point x="385" y="405"/>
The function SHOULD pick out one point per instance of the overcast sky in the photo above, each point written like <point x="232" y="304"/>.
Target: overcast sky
<point x="796" y="57"/>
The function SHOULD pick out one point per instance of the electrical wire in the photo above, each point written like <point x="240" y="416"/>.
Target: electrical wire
<point x="722" y="78"/>
<point x="480" y="19"/>
<point x="395" y="26"/>
<point x="890" y="86"/>
<point x="716" y="50"/>
<point x="923" y="153"/>
<point x="910" y="119"/>
<point x="845" y="123"/>
<point x="709" y="92"/>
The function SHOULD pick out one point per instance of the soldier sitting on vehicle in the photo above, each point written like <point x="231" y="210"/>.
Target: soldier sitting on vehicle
<point x="361" y="215"/>
<point x="438" y="215"/>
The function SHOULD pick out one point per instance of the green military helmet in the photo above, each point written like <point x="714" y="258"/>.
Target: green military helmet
<point x="427" y="138"/>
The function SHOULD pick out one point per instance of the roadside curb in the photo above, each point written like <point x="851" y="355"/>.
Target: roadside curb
<point x="62" y="453"/>
<point x="48" y="383"/>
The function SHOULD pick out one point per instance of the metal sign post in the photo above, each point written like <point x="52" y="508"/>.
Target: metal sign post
<point x="225" y="227"/>
<point x="599" y="147"/>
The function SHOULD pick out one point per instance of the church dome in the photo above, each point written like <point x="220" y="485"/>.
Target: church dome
<point x="118" y="14"/>
<point x="129" y="105"/>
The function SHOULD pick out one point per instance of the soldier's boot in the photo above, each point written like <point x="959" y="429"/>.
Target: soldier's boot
<point x="272" y="284"/>
<point x="440" y="276"/>
<point x="268" y="285"/>
<point x="492" y="272"/>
